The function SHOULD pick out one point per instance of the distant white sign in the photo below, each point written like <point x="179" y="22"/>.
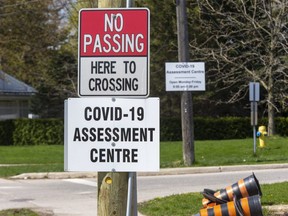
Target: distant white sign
<point x="185" y="76"/>
<point x="108" y="134"/>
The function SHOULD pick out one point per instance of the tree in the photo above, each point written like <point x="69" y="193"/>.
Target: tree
<point x="243" y="41"/>
<point x="57" y="86"/>
<point x="29" y="31"/>
<point x="33" y="38"/>
<point x="163" y="48"/>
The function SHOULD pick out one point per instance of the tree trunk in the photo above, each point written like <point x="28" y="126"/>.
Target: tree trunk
<point x="271" y="63"/>
<point x="271" y="113"/>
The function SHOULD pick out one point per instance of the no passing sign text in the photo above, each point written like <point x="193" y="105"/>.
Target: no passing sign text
<point x="114" y="52"/>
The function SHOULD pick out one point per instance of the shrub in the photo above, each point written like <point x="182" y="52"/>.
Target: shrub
<point x="6" y="132"/>
<point x="38" y="132"/>
<point x="51" y="131"/>
<point x="282" y="126"/>
<point x="206" y="128"/>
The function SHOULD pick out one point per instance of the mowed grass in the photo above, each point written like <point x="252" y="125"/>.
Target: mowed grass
<point x="43" y="158"/>
<point x="41" y="154"/>
<point x="27" y="159"/>
<point x="18" y="212"/>
<point x="227" y="152"/>
<point x="191" y="203"/>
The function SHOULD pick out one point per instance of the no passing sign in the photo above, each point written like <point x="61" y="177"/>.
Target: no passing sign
<point x="113" y="52"/>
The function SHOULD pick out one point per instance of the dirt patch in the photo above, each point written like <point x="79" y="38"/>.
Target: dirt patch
<point x="278" y="210"/>
<point x="43" y="212"/>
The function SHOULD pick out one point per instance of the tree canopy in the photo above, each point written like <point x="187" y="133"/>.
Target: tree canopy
<point x="239" y="41"/>
<point x="32" y="48"/>
<point x="246" y="41"/>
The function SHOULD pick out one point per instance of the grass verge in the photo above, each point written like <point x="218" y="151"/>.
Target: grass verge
<point x="18" y="212"/>
<point x="191" y="203"/>
<point x="27" y="159"/>
<point x="207" y="153"/>
<point x="226" y="152"/>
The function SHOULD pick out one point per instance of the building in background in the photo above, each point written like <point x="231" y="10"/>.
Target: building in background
<point x="15" y="97"/>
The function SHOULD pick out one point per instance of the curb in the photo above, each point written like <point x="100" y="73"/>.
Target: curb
<point x="165" y="171"/>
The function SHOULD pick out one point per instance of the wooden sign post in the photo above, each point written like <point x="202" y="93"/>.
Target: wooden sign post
<point x="112" y="186"/>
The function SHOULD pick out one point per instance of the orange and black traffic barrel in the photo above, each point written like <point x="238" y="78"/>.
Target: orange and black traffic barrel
<point x="246" y="187"/>
<point x="248" y="206"/>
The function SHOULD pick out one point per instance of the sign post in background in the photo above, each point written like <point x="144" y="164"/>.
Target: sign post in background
<point x="254" y="97"/>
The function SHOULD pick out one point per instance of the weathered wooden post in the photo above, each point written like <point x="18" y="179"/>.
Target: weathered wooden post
<point x="112" y="186"/>
<point x="112" y="193"/>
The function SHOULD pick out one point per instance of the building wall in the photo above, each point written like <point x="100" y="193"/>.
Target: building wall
<point x="14" y="109"/>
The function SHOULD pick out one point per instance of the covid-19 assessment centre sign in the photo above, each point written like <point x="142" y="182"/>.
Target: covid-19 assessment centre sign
<point x="112" y="134"/>
<point x="113" y="52"/>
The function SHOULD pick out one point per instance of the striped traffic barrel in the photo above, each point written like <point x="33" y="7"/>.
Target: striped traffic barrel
<point x="246" y="187"/>
<point x="248" y="206"/>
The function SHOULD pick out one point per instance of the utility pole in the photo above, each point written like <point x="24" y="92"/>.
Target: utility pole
<point x="113" y="186"/>
<point x="186" y="96"/>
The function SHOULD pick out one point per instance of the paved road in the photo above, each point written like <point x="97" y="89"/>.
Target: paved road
<point x="77" y="197"/>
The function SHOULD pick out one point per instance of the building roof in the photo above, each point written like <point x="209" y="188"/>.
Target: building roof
<point x="11" y="86"/>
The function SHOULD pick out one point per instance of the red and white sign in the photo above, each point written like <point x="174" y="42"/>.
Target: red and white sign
<point x="114" y="52"/>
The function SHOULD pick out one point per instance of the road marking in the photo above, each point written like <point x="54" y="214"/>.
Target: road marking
<point x="10" y="187"/>
<point x="82" y="181"/>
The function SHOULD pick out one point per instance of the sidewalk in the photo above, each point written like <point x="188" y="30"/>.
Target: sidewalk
<point x="166" y="171"/>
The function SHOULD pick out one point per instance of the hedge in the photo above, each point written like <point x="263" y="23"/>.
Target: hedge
<point x="51" y="131"/>
<point x="38" y="132"/>
<point x="6" y="132"/>
<point x="206" y="128"/>
<point x="32" y="132"/>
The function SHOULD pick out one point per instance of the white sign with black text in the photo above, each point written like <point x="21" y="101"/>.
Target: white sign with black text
<point x="112" y="134"/>
<point x="185" y="76"/>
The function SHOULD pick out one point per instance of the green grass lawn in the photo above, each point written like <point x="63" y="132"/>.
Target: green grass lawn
<point x="226" y="152"/>
<point x="18" y="212"/>
<point x="31" y="159"/>
<point x="42" y="154"/>
<point x="191" y="203"/>
<point x="207" y="153"/>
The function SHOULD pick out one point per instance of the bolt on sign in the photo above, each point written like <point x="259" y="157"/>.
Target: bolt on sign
<point x="114" y="52"/>
<point x="110" y="134"/>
